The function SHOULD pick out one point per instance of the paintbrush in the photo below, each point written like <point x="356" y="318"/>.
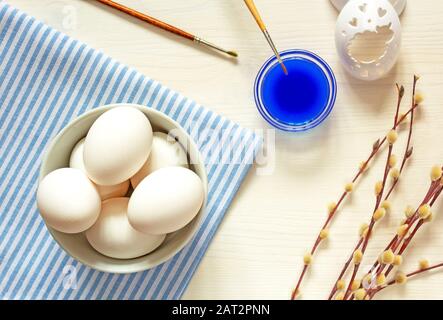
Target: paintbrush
<point x="261" y="24"/>
<point x="165" y="26"/>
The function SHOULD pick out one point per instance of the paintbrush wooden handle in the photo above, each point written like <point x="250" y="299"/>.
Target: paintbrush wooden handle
<point x="148" y="19"/>
<point x="254" y="11"/>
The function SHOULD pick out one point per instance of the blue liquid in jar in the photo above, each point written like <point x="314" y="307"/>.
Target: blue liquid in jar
<point x="299" y="97"/>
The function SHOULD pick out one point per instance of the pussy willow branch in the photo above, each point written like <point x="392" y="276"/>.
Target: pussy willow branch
<point x="364" y="240"/>
<point x="408" y="150"/>
<point x="331" y="216"/>
<point x="430" y="198"/>
<point x="408" y="221"/>
<point x="406" y="156"/>
<point x="436" y="190"/>
<point x="407" y="153"/>
<point x="395" y="238"/>
<point x="343" y="271"/>
<point x="372" y="223"/>
<point x="409" y="275"/>
<point x="419" y="224"/>
<point x="377" y="146"/>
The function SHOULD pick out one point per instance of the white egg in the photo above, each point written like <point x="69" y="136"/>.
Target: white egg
<point x="106" y="192"/>
<point x="166" y="200"/>
<point x="368" y="38"/>
<point x="165" y="152"/>
<point x="117" y="145"/>
<point x="113" y="236"/>
<point x="76" y="158"/>
<point x="68" y="200"/>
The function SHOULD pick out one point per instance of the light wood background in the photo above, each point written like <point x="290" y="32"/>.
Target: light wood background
<point x="257" y="251"/>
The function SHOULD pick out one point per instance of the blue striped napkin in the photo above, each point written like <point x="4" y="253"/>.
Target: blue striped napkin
<point x="46" y="80"/>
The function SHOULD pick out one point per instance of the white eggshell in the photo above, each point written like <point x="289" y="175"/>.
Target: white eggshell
<point x="166" y="200"/>
<point x="117" y="145"/>
<point x="106" y="192"/>
<point x="76" y="158"/>
<point x="362" y="18"/>
<point x="113" y="236"/>
<point x="165" y="152"/>
<point x="399" y="5"/>
<point x="68" y="200"/>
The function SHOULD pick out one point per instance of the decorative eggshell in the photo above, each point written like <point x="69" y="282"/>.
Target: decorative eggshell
<point x="358" y="17"/>
<point x="166" y="200"/>
<point x="117" y="145"/>
<point x="106" y="192"/>
<point x="113" y="236"/>
<point x="68" y="200"/>
<point x="399" y="5"/>
<point x="165" y="152"/>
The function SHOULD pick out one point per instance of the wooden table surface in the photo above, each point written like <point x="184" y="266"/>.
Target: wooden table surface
<point x="257" y="251"/>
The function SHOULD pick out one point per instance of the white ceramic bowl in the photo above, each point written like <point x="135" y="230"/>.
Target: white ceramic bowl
<point x="57" y="156"/>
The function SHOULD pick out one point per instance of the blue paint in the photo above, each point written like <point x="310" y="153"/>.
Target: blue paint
<point x="298" y="97"/>
<point x="300" y="100"/>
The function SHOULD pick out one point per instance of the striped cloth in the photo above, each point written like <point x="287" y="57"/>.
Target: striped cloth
<point x="46" y="80"/>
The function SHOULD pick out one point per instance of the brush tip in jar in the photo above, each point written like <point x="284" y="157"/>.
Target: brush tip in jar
<point x="284" y="68"/>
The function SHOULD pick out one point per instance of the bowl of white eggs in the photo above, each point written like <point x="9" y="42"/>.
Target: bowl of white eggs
<point x="122" y="188"/>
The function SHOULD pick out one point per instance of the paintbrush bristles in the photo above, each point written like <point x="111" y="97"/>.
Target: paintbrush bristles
<point x="213" y="46"/>
<point x="284" y="68"/>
